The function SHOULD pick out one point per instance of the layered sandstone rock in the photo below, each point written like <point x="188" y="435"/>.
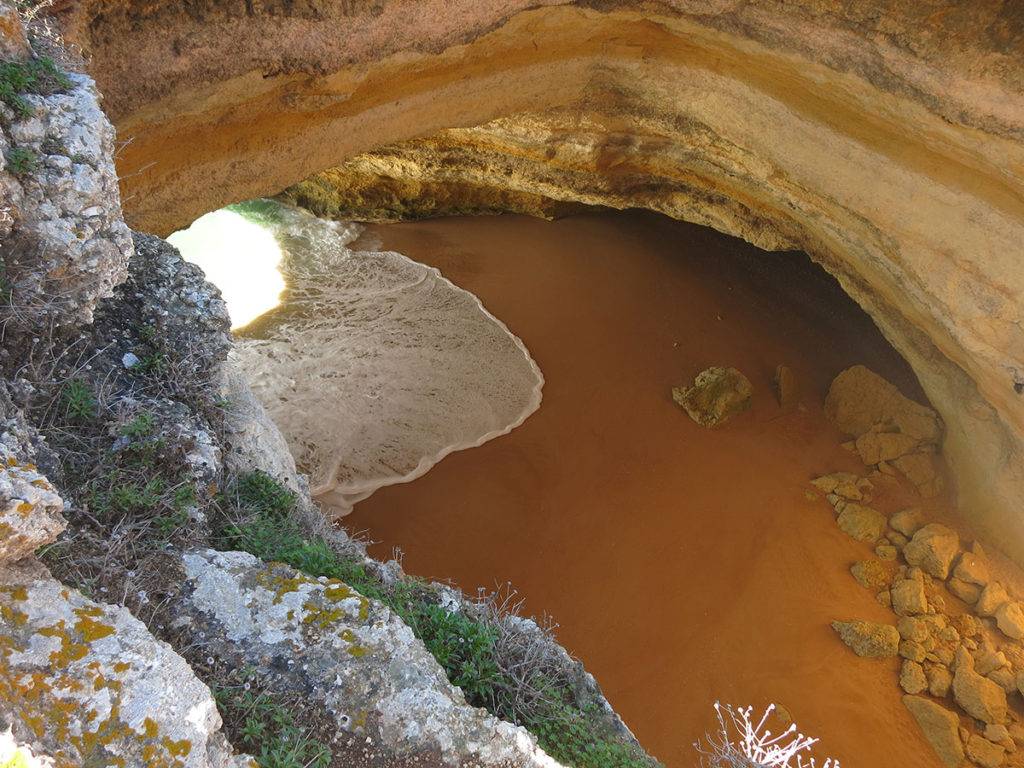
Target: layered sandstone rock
<point x="883" y="138"/>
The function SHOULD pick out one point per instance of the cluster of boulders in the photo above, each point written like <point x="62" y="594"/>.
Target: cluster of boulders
<point x="957" y="654"/>
<point x="891" y="433"/>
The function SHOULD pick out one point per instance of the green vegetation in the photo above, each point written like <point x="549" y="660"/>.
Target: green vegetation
<point x="467" y="647"/>
<point x="40" y="76"/>
<point x="140" y="426"/>
<point x="78" y="401"/>
<point x="21" y="161"/>
<point x="267" y="730"/>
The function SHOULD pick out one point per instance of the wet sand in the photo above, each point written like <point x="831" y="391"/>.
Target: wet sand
<point x="683" y="565"/>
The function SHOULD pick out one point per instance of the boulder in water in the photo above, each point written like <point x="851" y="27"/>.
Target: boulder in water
<point x="716" y="396"/>
<point x="869" y="639"/>
<point x="940" y="727"/>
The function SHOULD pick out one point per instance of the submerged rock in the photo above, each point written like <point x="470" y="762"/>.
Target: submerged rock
<point x="906" y="522"/>
<point x="785" y="386"/>
<point x="973" y="568"/>
<point x="993" y="596"/>
<point x="908" y="597"/>
<point x="869" y="639"/>
<point x="912" y="677"/>
<point x="716" y="396"/>
<point x="871" y="574"/>
<point x="940" y="727"/>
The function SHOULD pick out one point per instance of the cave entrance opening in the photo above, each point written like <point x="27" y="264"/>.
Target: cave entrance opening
<point x="682" y="564"/>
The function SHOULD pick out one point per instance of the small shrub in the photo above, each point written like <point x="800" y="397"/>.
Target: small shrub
<point x="267" y="729"/>
<point x="39" y="76"/>
<point x="78" y="401"/>
<point x="464" y="647"/>
<point x="140" y="426"/>
<point x="22" y="161"/>
<point x="743" y="743"/>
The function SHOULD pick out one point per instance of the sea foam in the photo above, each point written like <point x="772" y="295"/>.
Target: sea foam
<point x="374" y="366"/>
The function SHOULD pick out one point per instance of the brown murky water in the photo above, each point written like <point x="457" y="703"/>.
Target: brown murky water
<point x="683" y="565"/>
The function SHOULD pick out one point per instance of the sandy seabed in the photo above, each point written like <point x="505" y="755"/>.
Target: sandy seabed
<point x="683" y="565"/>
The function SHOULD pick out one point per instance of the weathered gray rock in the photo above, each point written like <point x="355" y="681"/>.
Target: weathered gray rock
<point x="717" y="394"/>
<point x="984" y="753"/>
<point x="65" y="244"/>
<point x="979" y="697"/>
<point x="253" y="440"/>
<point x="30" y="507"/>
<point x="993" y="596"/>
<point x="83" y="682"/>
<point x="933" y="549"/>
<point x="868" y="638"/>
<point x="940" y="727"/>
<point x="1010" y="619"/>
<point x="862" y="523"/>
<point x="363" y="666"/>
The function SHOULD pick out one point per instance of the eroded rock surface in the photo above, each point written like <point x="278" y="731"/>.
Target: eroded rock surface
<point x="352" y="656"/>
<point x="63" y="241"/>
<point x="86" y="683"/>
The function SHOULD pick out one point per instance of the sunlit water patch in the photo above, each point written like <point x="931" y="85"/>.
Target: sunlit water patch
<point x="239" y="256"/>
<point x="374" y="366"/>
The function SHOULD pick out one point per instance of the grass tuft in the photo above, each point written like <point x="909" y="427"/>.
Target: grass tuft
<point x="35" y="76"/>
<point x="22" y="161"/>
<point x="266" y="728"/>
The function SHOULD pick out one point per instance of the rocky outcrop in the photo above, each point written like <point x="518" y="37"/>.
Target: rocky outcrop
<point x="380" y="688"/>
<point x="86" y="683"/>
<point x="882" y="138"/>
<point x="63" y="242"/>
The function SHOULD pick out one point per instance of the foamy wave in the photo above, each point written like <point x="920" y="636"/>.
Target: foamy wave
<point x="376" y="367"/>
